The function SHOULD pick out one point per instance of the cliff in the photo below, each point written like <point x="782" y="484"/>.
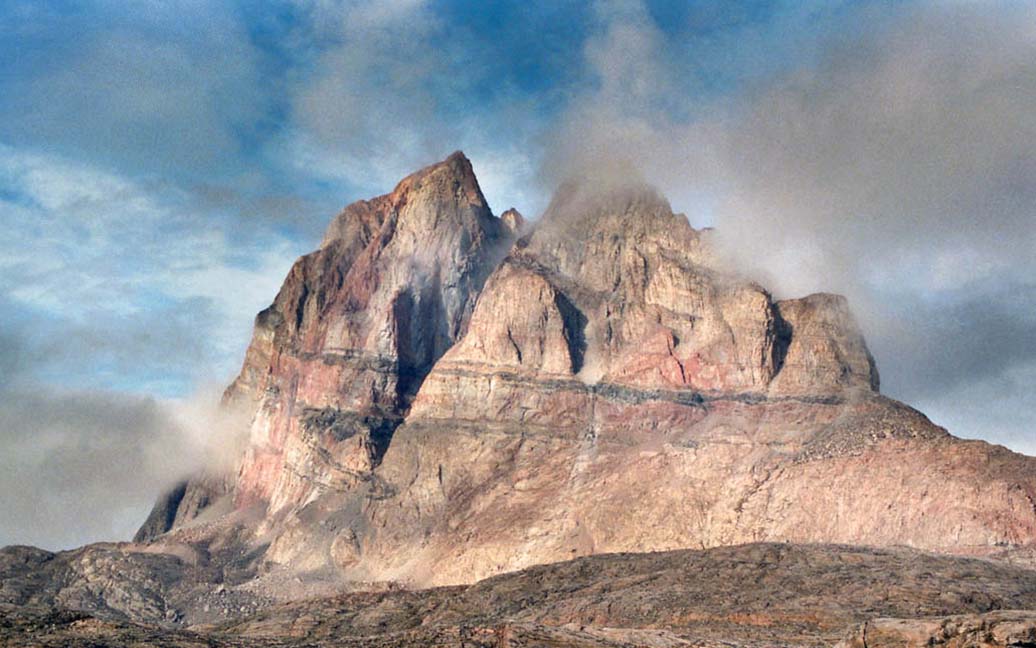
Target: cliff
<point x="441" y="395"/>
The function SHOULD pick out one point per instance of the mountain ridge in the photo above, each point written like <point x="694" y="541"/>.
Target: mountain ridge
<point x="441" y="396"/>
<point x="601" y="342"/>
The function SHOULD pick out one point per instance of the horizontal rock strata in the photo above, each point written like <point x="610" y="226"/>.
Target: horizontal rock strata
<point x="441" y="395"/>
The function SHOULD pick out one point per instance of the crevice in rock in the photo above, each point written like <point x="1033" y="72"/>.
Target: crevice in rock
<point x="163" y="515"/>
<point x="421" y="338"/>
<point x="782" y="333"/>
<point x="574" y="323"/>
<point x="517" y="349"/>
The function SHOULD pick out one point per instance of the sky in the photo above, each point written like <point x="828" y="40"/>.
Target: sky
<point x="163" y="163"/>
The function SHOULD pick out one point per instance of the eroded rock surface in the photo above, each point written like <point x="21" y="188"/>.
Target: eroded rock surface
<point x="441" y="395"/>
<point x="438" y="395"/>
<point x="753" y="595"/>
<point x="991" y="630"/>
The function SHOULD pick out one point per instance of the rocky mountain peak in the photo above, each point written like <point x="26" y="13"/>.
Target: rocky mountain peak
<point x="606" y="238"/>
<point x="513" y="221"/>
<point x="453" y="173"/>
<point x="620" y="211"/>
<point x="584" y="200"/>
<point x="445" y="189"/>
<point x="338" y="357"/>
<point x="440" y="395"/>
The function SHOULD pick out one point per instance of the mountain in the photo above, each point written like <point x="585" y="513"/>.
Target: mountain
<point x="439" y="396"/>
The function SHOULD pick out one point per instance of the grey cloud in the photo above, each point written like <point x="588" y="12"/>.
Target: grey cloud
<point x="158" y="89"/>
<point x="12" y="359"/>
<point x="895" y="162"/>
<point x="85" y="466"/>
<point x="127" y="281"/>
<point x="394" y="86"/>
<point x="998" y="409"/>
<point x="902" y="171"/>
<point x="937" y="349"/>
<point x="368" y="110"/>
<point x="68" y="467"/>
<point x="118" y="288"/>
<point x="151" y="350"/>
<point x="907" y="144"/>
<point x="909" y="137"/>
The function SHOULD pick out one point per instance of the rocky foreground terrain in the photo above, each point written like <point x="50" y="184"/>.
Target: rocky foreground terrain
<point x="441" y="399"/>
<point x="749" y="595"/>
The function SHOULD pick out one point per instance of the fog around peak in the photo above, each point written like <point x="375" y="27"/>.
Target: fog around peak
<point x="895" y="163"/>
<point x="160" y="172"/>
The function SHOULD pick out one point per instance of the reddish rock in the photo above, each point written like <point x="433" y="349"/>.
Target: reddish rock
<point x="988" y="630"/>
<point x="513" y="221"/>
<point x="435" y="405"/>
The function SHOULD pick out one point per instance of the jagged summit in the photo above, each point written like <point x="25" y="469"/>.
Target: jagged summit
<point x="337" y="358"/>
<point x="581" y="201"/>
<point x="514" y="221"/>
<point x="447" y="187"/>
<point x="440" y="395"/>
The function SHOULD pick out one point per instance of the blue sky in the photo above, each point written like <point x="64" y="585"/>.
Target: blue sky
<point x="159" y="157"/>
<point x="163" y="163"/>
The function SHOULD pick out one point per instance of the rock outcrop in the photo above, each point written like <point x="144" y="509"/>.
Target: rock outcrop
<point x="1015" y="628"/>
<point x="441" y="395"/>
<point x="337" y="358"/>
<point x="206" y="493"/>
<point x="751" y="596"/>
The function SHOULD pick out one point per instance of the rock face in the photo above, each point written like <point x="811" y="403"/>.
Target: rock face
<point x="441" y="395"/>
<point x="336" y="360"/>
<point x="751" y="595"/>
<point x="993" y="629"/>
<point x="186" y="501"/>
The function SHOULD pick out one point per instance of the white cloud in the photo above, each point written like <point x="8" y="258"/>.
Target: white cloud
<point x="104" y="279"/>
<point x="169" y="88"/>
<point x="80" y="467"/>
<point x="367" y="111"/>
<point x="86" y="245"/>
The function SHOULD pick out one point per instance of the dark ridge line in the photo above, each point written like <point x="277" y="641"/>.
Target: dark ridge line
<point x="624" y="393"/>
<point x="612" y="391"/>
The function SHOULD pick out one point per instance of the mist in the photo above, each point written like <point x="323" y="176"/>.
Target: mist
<point x="86" y="466"/>
<point x="893" y="162"/>
<point x="886" y="151"/>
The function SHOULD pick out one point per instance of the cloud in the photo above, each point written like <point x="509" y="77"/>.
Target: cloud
<point x="120" y="305"/>
<point x="892" y="159"/>
<point x="127" y="281"/>
<point x="968" y="364"/>
<point x="909" y="147"/>
<point x="904" y="146"/>
<point x="369" y="108"/>
<point x="901" y="170"/>
<point x="997" y="409"/>
<point x="83" y="466"/>
<point x="163" y="88"/>
<point x="395" y="86"/>
<point x="988" y="333"/>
